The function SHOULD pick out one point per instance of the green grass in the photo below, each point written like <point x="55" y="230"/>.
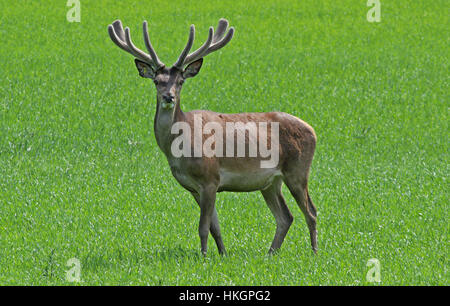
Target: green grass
<point x="81" y="174"/>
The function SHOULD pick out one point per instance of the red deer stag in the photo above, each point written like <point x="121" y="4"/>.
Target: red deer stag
<point x="203" y="175"/>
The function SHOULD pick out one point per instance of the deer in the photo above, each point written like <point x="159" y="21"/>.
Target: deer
<point x="205" y="176"/>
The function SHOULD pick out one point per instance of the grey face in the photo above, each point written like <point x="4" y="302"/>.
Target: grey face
<point x="168" y="81"/>
<point x="168" y="84"/>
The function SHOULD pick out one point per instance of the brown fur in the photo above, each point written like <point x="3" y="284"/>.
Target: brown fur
<point x="205" y="176"/>
<point x="201" y="175"/>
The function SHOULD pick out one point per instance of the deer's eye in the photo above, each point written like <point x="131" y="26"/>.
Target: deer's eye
<point x="181" y="81"/>
<point x="156" y="82"/>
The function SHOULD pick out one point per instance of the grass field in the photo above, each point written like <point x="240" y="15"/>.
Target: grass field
<point x="81" y="175"/>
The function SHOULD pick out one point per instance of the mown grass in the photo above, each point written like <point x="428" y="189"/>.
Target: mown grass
<point x="81" y="175"/>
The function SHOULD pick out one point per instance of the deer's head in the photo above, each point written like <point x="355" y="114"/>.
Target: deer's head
<point x="169" y="81"/>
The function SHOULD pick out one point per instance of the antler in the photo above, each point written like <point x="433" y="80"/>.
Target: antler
<point x="213" y="43"/>
<point x="123" y="40"/>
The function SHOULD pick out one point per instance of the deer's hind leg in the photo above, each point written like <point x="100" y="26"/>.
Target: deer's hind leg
<point x="283" y="217"/>
<point x="297" y="183"/>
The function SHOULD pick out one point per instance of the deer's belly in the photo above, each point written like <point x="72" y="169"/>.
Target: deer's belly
<point x="247" y="181"/>
<point x="250" y="180"/>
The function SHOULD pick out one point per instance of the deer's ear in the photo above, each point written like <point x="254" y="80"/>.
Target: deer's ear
<point x="192" y="69"/>
<point x="144" y="69"/>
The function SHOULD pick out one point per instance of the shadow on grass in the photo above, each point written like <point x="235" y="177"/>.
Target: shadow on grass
<point x="176" y="253"/>
<point x="98" y="260"/>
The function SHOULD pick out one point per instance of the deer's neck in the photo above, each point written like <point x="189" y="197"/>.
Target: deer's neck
<point x="164" y="119"/>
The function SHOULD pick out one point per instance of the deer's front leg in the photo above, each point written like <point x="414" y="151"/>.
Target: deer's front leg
<point x="214" y="228"/>
<point x="207" y="202"/>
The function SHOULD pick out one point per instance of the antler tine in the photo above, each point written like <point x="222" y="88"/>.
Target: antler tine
<point x="123" y="40"/>
<point x="148" y="45"/>
<point x="216" y="42"/>
<point x="222" y="43"/>
<point x="116" y="39"/>
<point x="118" y="28"/>
<point x="221" y="28"/>
<point x="200" y="51"/>
<point x="134" y="50"/>
<point x="180" y="62"/>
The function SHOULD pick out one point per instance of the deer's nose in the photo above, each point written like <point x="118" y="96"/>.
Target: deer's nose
<point x="168" y="97"/>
